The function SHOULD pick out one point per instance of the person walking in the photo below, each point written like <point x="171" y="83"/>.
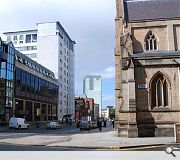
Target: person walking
<point x="105" y="123"/>
<point x="100" y="125"/>
<point x="113" y="123"/>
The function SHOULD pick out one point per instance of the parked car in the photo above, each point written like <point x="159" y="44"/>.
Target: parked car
<point x="18" y="123"/>
<point x="84" y="125"/>
<point x="94" y="124"/>
<point x="87" y="125"/>
<point x="53" y="125"/>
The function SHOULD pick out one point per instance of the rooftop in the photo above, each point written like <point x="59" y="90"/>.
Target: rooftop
<point x="136" y="10"/>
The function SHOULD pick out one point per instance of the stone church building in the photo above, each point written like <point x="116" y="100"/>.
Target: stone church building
<point x="147" y="57"/>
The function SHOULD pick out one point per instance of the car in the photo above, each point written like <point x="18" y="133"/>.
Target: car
<point x="18" y="123"/>
<point x="84" y="125"/>
<point x="53" y="125"/>
<point x="94" y="124"/>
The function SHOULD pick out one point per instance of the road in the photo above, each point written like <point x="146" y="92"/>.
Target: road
<point x="72" y="139"/>
<point x="65" y="131"/>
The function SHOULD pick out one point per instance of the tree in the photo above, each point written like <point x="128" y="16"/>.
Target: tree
<point x="112" y="113"/>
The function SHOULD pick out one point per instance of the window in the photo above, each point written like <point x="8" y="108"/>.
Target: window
<point x="160" y="91"/>
<point x="34" y="37"/>
<point x="28" y="38"/>
<point x="15" y="38"/>
<point x="151" y="42"/>
<point x="21" y="38"/>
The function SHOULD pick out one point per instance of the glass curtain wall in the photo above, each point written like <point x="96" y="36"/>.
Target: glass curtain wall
<point x="6" y="80"/>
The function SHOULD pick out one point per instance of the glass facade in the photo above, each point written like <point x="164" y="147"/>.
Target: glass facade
<point x="7" y="53"/>
<point x="27" y="89"/>
<point x="34" y="87"/>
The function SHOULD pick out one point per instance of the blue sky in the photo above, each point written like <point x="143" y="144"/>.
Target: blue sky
<point x="89" y="22"/>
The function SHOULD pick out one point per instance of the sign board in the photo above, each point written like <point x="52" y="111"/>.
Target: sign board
<point x="142" y="85"/>
<point x="177" y="132"/>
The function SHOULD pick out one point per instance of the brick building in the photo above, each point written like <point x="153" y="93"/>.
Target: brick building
<point x="84" y="107"/>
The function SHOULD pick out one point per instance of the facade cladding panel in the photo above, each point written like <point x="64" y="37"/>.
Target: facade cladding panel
<point x="151" y="9"/>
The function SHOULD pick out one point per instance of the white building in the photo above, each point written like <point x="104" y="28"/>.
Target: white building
<point x="92" y="88"/>
<point x="51" y="46"/>
<point x="104" y="113"/>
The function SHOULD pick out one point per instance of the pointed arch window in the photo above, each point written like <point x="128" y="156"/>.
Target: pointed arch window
<point x="151" y="42"/>
<point x="159" y="91"/>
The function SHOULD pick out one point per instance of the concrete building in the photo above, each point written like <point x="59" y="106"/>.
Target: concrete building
<point x="104" y="113"/>
<point x="92" y="88"/>
<point x="147" y="57"/>
<point x="27" y="89"/>
<point x="51" y="46"/>
<point x="109" y="110"/>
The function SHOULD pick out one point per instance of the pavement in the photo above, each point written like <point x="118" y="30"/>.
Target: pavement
<point x="107" y="139"/>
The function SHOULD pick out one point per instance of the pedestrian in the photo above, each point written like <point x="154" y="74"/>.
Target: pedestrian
<point x="100" y="125"/>
<point x="113" y="123"/>
<point x="36" y="123"/>
<point x="67" y="122"/>
<point x="105" y="123"/>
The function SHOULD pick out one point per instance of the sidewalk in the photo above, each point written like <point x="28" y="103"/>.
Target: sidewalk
<point x="98" y="140"/>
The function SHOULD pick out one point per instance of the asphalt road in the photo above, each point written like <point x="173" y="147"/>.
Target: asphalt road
<point x="14" y="133"/>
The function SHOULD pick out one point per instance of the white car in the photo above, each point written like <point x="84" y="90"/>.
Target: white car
<point x="18" y="123"/>
<point x="53" y="125"/>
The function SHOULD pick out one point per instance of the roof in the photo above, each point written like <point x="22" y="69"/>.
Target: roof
<point x="136" y="10"/>
<point x="156" y="54"/>
<point x="21" y="32"/>
<point x="92" y="76"/>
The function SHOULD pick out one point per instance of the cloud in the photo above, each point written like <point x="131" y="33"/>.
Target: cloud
<point x="107" y="73"/>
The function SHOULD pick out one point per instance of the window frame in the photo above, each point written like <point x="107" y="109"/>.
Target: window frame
<point x="161" y="79"/>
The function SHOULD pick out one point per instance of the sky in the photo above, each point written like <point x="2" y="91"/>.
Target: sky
<point x="88" y="22"/>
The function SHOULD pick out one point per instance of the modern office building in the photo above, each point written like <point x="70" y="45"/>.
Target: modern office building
<point x="92" y="88"/>
<point x="27" y="89"/>
<point x="51" y="46"/>
<point x="147" y="57"/>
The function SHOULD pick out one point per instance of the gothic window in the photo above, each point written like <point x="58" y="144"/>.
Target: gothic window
<point x="159" y="91"/>
<point x="151" y="42"/>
